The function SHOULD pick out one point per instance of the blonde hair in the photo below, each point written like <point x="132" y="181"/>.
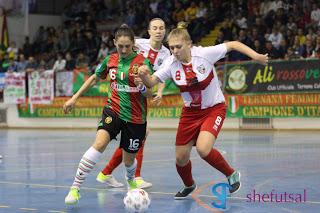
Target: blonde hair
<point x="180" y="31"/>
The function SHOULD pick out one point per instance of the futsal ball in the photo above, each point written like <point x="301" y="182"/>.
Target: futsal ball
<point x="136" y="200"/>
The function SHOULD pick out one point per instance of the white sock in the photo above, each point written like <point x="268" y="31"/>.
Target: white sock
<point x="87" y="163"/>
<point x="131" y="170"/>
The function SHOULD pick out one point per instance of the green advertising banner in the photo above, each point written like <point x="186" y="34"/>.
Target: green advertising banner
<point x="274" y="105"/>
<point x="239" y="106"/>
<point x="81" y="75"/>
<point x="91" y="107"/>
<point x="277" y="77"/>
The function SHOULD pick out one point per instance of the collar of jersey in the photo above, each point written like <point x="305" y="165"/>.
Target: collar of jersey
<point x="134" y="54"/>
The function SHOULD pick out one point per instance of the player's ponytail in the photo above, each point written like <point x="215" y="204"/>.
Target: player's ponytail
<point x="182" y="25"/>
<point x="180" y="31"/>
<point x="124" y="30"/>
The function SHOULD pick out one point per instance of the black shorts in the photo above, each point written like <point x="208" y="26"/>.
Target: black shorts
<point x="132" y="135"/>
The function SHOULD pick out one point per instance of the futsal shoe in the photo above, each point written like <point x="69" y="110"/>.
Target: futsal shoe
<point x="234" y="182"/>
<point x="185" y="191"/>
<point x="131" y="184"/>
<point x="142" y="184"/>
<point x="109" y="180"/>
<point x="73" y="196"/>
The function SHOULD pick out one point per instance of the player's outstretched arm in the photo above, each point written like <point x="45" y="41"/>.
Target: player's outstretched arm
<point x="146" y="92"/>
<point x="238" y="46"/>
<point x="157" y="100"/>
<point x="68" y="105"/>
<point x="147" y="79"/>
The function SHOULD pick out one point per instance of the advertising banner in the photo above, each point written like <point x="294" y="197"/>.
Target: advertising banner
<point x="40" y="85"/>
<point x="273" y="105"/>
<point x="81" y="75"/>
<point x="64" y="83"/>
<point x="91" y="107"/>
<point x="2" y="80"/>
<point x="277" y="77"/>
<point x="15" y="88"/>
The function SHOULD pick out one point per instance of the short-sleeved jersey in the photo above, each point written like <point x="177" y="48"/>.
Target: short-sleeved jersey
<point x="125" y="100"/>
<point x="197" y="81"/>
<point x="156" y="57"/>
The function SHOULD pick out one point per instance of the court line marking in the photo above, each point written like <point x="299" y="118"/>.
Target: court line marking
<point x="2" y="206"/>
<point x="75" y="164"/>
<point x="290" y="210"/>
<point x="28" y="209"/>
<point x="122" y="190"/>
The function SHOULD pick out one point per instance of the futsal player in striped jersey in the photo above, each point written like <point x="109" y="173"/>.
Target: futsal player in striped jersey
<point x="156" y="52"/>
<point x="125" y="110"/>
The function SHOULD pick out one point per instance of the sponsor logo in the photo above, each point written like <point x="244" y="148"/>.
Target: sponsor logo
<point x="201" y="69"/>
<point x="123" y="88"/>
<point x="135" y="68"/>
<point x="160" y="61"/>
<point x="108" y="120"/>
<point x="178" y="75"/>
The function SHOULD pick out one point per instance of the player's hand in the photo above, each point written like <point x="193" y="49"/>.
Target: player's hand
<point x="157" y="100"/>
<point x="138" y="82"/>
<point x="69" y="105"/>
<point x="262" y="58"/>
<point x="143" y="71"/>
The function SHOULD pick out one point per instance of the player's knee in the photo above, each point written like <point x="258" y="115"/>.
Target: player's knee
<point x="100" y="145"/>
<point x="128" y="159"/>
<point x="203" y="151"/>
<point x="182" y="159"/>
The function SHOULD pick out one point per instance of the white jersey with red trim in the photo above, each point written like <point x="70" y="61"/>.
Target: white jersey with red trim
<point x="197" y="81"/>
<point x="156" y="57"/>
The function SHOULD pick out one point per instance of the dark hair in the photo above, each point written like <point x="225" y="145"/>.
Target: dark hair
<point x="156" y="19"/>
<point x="124" y="30"/>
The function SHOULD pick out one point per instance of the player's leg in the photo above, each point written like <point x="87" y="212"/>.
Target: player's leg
<point x="187" y="133"/>
<point x="108" y="129"/>
<point x="141" y="183"/>
<point x="105" y="176"/>
<point x="130" y="164"/>
<point x="132" y="136"/>
<point x="87" y="163"/>
<point x="206" y="139"/>
<point x="184" y="169"/>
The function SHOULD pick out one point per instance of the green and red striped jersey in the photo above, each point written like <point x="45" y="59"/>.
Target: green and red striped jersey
<point x="125" y="99"/>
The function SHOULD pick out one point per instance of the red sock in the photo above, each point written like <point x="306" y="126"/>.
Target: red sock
<point x="114" y="162"/>
<point x="185" y="174"/>
<point x="215" y="159"/>
<point x="139" y="158"/>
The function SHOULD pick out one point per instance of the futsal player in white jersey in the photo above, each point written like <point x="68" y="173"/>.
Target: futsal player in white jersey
<point x="192" y="69"/>
<point x="154" y="50"/>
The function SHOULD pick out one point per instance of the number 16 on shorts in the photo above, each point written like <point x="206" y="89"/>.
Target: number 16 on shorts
<point x="134" y="144"/>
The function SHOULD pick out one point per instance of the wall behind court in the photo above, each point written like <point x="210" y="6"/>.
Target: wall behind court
<point x="16" y="26"/>
<point x="14" y="121"/>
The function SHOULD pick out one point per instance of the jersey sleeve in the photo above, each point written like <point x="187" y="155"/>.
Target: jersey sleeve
<point x="214" y="53"/>
<point x="164" y="72"/>
<point x="147" y="62"/>
<point x="101" y="70"/>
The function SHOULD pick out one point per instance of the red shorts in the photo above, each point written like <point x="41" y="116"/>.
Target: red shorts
<point x="192" y="121"/>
